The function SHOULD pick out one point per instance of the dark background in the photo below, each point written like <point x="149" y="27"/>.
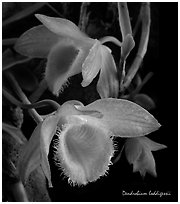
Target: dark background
<point x="161" y="59"/>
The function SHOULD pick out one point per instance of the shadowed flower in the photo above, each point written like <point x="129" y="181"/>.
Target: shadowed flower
<point x="69" y="52"/>
<point x="84" y="146"/>
<point x="138" y="152"/>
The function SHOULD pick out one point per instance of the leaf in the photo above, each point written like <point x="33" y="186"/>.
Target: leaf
<point x="36" y="42"/>
<point x="124" y="118"/>
<point x="138" y="153"/>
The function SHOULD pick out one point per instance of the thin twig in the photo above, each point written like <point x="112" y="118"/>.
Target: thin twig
<point x="39" y="104"/>
<point x="23" y="97"/>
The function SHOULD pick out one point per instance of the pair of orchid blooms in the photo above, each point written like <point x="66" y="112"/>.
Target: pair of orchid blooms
<point x="84" y="147"/>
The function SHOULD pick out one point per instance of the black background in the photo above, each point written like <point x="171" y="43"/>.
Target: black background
<point x="161" y="59"/>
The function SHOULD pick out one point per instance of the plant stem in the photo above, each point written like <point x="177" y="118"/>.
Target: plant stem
<point x="39" y="104"/>
<point x="9" y="41"/>
<point x="125" y="27"/>
<point x="146" y="21"/>
<point x="124" y="20"/>
<point x="83" y="19"/>
<point x="22" y="14"/>
<point x="23" y="97"/>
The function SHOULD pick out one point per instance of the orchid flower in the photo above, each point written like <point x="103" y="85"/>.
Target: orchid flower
<point x="69" y="52"/>
<point x="84" y="144"/>
<point x="138" y="152"/>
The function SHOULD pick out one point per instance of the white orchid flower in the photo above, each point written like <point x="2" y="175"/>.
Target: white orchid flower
<point x="84" y="147"/>
<point x="69" y="52"/>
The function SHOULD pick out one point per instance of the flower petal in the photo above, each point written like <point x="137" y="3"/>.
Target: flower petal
<point x="36" y="42"/>
<point x="84" y="150"/>
<point x="150" y="144"/>
<point x="76" y="108"/>
<point x="30" y="157"/>
<point x="145" y="163"/>
<point x="48" y="130"/>
<point x="63" y="27"/>
<point x="92" y="64"/>
<point x="124" y="118"/>
<point x="64" y="61"/>
<point x="108" y="85"/>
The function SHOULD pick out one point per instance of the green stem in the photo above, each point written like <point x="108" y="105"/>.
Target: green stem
<point x="23" y="97"/>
